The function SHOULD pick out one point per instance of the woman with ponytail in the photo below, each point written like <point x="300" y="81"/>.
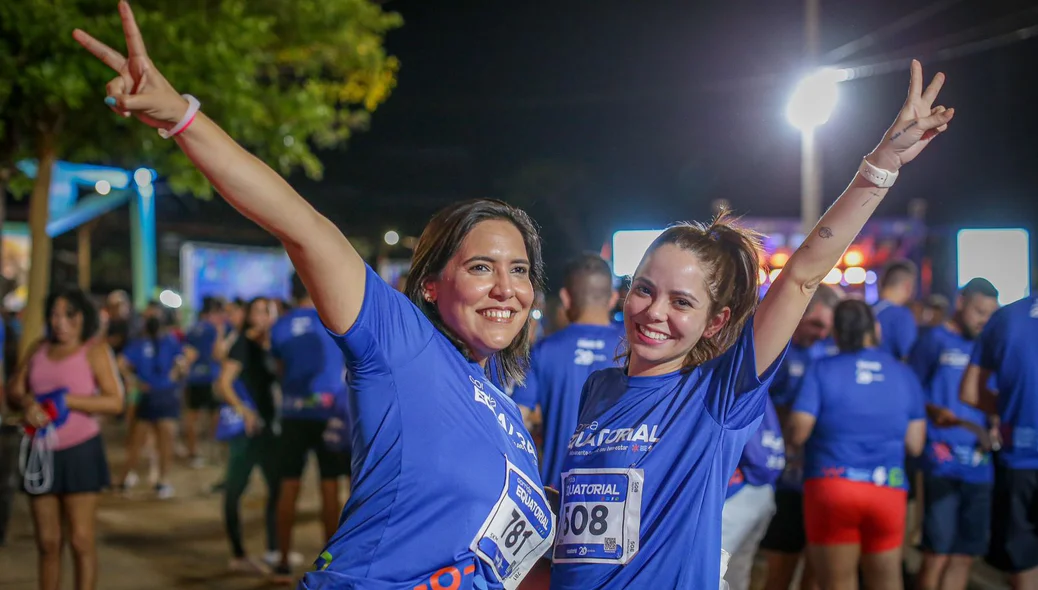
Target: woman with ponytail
<point x="645" y="476"/>
<point x="858" y="413"/>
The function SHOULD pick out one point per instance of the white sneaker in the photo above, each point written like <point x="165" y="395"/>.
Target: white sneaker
<point x="131" y="480"/>
<point x="248" y="566"/>
<point x="164" y="491"/>
<point x="273" y="558"/>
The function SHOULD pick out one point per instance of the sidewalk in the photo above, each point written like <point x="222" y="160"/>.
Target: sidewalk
<point x="145" y="543"/>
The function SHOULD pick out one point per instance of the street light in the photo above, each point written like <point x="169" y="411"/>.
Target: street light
<point x="392" y="238"/>
<point x="811" y="105"/>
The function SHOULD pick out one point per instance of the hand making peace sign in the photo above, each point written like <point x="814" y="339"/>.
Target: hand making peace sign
<point x="916" y="125"/>
<point x="139" y="89"/>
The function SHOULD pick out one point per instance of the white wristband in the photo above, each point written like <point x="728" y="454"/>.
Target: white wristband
<point x="192" y="109"/>
<point x="877" y="176"/>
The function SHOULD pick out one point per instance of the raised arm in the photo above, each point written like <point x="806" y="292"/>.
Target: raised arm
<point x="325" y="260"/>
<point x="780" y="312"/>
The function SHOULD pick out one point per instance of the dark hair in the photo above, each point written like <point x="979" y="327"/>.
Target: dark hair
<point x="246" y="323"/>
<point x="211" y="304"/>
<point x="825" y="296"/>
<point x="731" y="257"/>
<point x="441" y="239"/>
<point x="978" y="287"/>
<point x="897" y="272"/>
<point x="78" y="302"/>
<point x="853" y="323"/>
<point x="298" y="288"/>
<point x="589" y="281"/>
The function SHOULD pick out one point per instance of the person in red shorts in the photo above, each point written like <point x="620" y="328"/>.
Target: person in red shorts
<point x="857" y="414"/>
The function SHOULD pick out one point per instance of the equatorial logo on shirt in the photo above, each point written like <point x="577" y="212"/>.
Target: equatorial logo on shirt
<point x="482" y="397"/>
<point x="954" y="357"/>
<point x="866" y="372"/>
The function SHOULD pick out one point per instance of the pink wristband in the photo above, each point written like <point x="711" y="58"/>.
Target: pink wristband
<point x="189" y="117"/>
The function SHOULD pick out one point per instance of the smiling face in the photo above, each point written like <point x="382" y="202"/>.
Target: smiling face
<point x="668" y="311"/>
<point x="484" y="294"/>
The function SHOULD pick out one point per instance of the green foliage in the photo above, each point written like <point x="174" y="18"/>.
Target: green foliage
<point x="281" y="76"/>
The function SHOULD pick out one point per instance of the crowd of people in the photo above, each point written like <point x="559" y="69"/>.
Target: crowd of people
<point x="709" y="423"/>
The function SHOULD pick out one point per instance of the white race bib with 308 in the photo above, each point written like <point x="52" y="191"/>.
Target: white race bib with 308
<point x="518" y="531"/>
<point x="601" y="516"/>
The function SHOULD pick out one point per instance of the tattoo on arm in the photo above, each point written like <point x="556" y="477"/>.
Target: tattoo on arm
<point x="874" y="194"/>
<point x="907" y="127"/>
<point x="825" y="232"/>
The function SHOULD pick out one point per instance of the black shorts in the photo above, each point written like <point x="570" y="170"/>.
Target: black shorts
<point x="82" y="469"/>
<point x="298" y="438"/>
<point x="153" y="406"/>
<point x="956" y="516"/>
<point x="1014" y="520"/>
<point x="200" y="397"/>
<point x="786" y="532"/>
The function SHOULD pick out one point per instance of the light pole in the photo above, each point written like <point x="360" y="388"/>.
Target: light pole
<point x="810" y="107"/>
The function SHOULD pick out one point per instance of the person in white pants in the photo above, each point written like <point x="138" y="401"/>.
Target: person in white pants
<point x="750" y="500"/>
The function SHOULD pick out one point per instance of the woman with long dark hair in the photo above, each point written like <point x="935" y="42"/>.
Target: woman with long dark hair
<point x="858" y="413"/>
<point x="446" y="490"/>
<point x="246" y="384"/>
<point x="69" y="358"/>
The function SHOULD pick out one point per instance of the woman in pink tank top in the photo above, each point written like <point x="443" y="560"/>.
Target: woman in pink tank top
<point x="70" y="358"/>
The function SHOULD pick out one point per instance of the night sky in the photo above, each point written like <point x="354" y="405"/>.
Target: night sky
<point x="604" y="115"/>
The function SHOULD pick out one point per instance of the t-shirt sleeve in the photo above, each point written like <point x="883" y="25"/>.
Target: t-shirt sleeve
<point x="809" y="396"/>
<point x="239" y="350"/>
<point x="987" y="350"/>
<point x="735" y="395"/>
<point x="389" y="331"/>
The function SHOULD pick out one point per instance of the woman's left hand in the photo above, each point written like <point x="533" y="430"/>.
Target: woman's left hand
<point x="36" y="416"/>
<point x="916" y="125"/>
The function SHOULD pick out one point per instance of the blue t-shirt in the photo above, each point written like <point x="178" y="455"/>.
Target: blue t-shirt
<point x="1008" y="346"/>
<point x="153" y="360"/>
<point x="939" y="358"/>
<point x="783" y="392"/>
<point x="646" y="472"/>
<point x="559" y="366"/>
<point x="202" y="337"/>
<point x="863" y="402"/>
<point x="763" y="458"/>
<point x="312" y="366"/>
<point x="446" y="490"/>
<point x="898" y="328"/>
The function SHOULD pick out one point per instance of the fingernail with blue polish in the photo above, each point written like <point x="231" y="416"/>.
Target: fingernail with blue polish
<point x="110" y="101"/>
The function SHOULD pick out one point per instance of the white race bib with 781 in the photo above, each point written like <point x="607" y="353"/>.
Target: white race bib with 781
<point x="518" y="531"/>
<point x="601" y="516"/>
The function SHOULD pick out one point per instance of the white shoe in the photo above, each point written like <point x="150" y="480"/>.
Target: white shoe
<point x="248" y="566"/>
<point x="131" y="480"/>
<point x="273" y="558"/>
<point x="164" y="491"/>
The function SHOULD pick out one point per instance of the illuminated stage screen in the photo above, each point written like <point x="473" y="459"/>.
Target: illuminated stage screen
<point x="231" y="271"/>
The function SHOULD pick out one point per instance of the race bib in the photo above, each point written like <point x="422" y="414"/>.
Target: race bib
<point x="601" y="516"/>
<point x="518" y="531"/>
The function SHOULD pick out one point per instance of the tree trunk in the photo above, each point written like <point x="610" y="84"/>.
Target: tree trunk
<point x="39" y="269"/>
<point x="83" y="235"/>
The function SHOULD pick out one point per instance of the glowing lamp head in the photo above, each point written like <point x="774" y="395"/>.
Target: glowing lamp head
<point x="853" y="258"/>
<point x="392" y="238"/>
<point x="814" y="99"/>
<point x="142" y="176"/>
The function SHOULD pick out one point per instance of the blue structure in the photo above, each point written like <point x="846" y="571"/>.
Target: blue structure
<point x="113" y="187"/>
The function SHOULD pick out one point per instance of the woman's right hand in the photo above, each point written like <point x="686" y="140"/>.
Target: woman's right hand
<point x="139" y="89"/>
<point x="36" y="416"/>
<point x="253" y="423"/>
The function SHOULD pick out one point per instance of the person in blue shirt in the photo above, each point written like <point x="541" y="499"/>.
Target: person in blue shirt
<point x="897" y="323"/>
<point x="446" y="490"/>
<point x="957" y="465"/>
<point x="200" y="397"/>
<point x="313" y="386"/>
<point x="858" y="413"/>
<point x="785" y="539"/>
<point x="155" y="363"/>
<point x="561" y="363"/>
<point x="750" y="501"/>
<point x="645" y="475"/>
<point x="1008" y="349"/>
